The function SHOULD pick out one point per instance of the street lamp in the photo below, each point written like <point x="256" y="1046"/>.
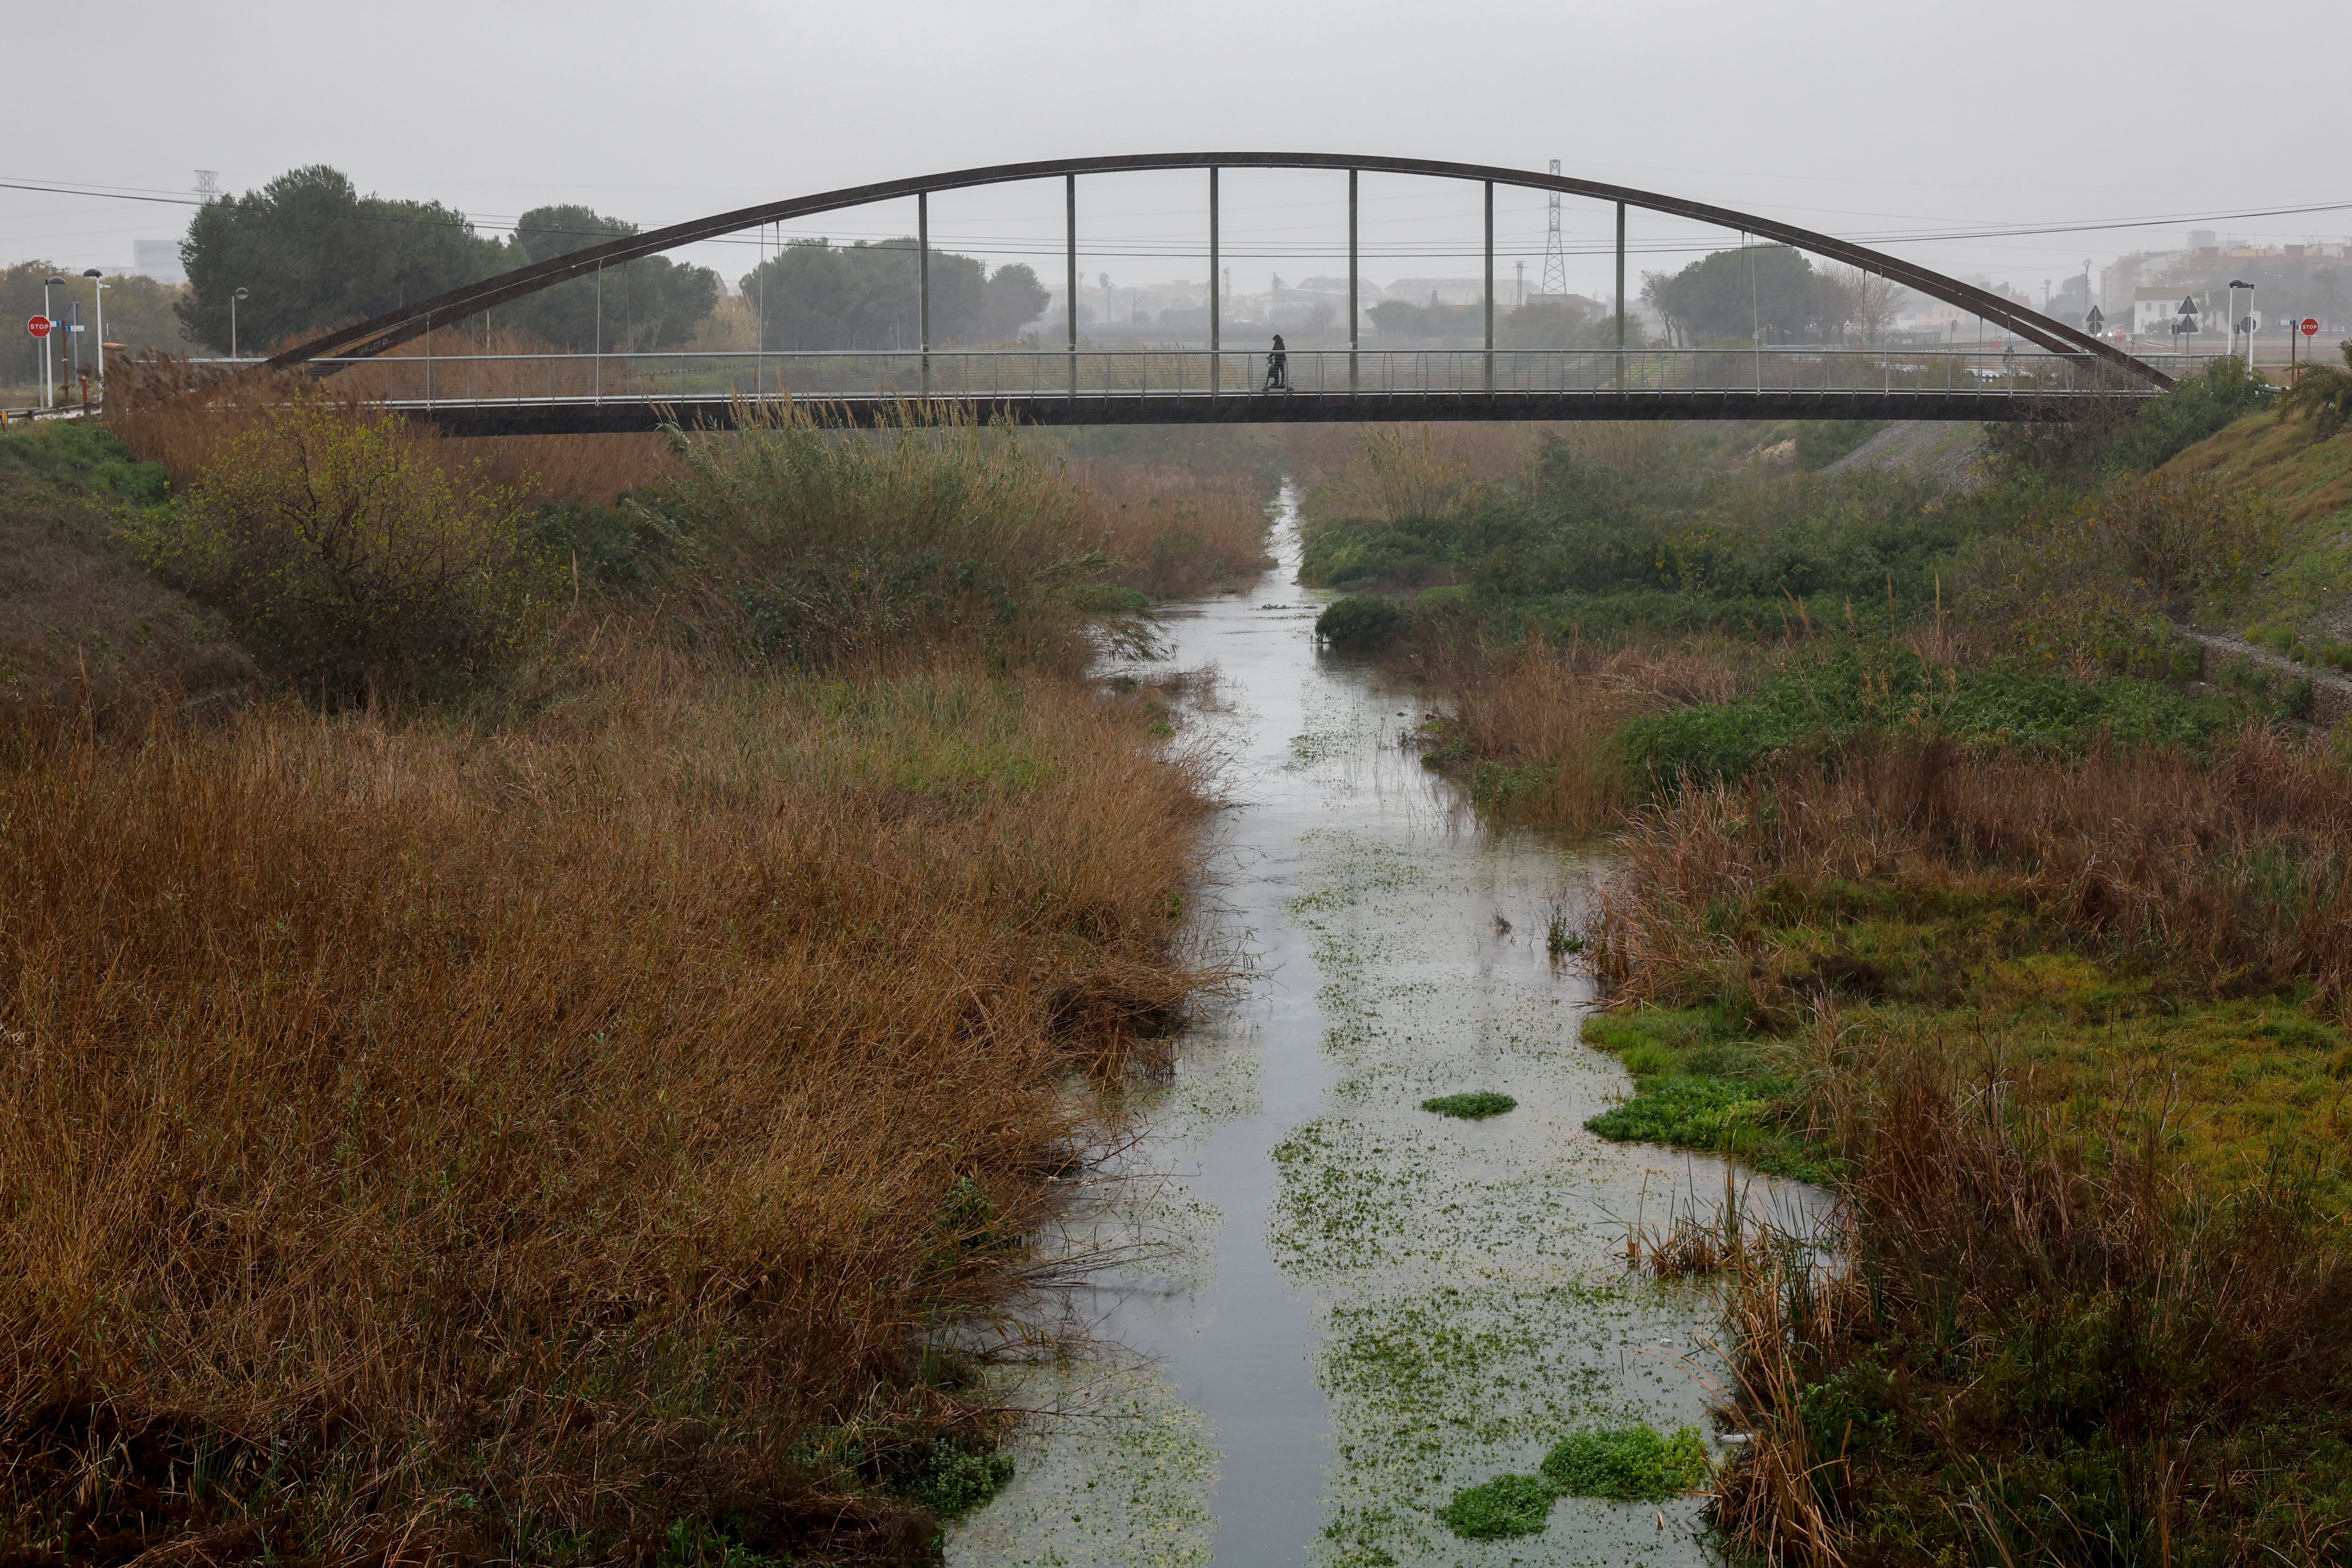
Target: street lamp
<point x="49" y="378"/>
<point x="233" y="298"/>
<point x="98" y="302"/>
<point x="2248" y="324"/>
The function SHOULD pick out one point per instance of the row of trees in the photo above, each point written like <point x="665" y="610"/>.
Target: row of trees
<point x="817" y="295"/>
<point x="313" y="254"/>
<point x="1537" y="324"/>
<point x="1768" y="292"/>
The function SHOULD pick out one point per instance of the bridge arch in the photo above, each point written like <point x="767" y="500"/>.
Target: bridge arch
<point x="373" y="337"/>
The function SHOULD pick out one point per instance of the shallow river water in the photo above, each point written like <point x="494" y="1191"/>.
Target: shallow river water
<point x="1345" y="1307"/>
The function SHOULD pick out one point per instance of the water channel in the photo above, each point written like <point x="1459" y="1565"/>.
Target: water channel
<point x="1350" y="1307"/>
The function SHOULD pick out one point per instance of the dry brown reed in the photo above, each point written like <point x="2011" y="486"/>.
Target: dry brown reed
<point x="1550" y="714"/>
<point x="2101" y="1356"/>
<point x="181" y="415"/>
<point x="424" y="1143"/>
<point x="2238" y="874"/>
<point x="1174" y="530"/>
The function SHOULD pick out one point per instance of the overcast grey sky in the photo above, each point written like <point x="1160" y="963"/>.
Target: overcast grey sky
<point x="1861" y="117"/>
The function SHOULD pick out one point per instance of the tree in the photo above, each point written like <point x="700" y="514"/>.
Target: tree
<point x="1012" y="298"/>
<point x="650" y="303"/>
<point x="1733" y="294"/>
<point x="1554" y="324"/>
<point x="138" y="316"/>
<point x="1864" y="298"/>
<point x="316" y="253"/>
<point x="819" y="295"/>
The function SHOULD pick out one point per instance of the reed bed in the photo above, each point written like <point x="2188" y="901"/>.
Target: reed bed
<point x="1537" y="723"/>
<point x="1173" y="531"/>
<point x="425" y="1143"/>
<point x="2237" y="874"/>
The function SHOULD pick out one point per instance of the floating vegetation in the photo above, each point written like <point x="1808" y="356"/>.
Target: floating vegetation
<point x="1476" y="1106"/>
<point x="1508" y="1505"/>
<point x="1628" y="1464"/>
<point x="1624" y="1464"/>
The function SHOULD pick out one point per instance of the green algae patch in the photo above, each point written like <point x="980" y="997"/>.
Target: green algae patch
<point x="1628" y="1464"/>
<point x="1476" y="1106"/>
<point x="1508" y="1505"/>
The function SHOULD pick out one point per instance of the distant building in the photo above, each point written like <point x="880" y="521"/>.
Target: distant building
<point x="1439" y="290"/>
<point x="158" y="259"/>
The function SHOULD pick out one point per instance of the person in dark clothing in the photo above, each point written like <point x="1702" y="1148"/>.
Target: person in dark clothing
<point x="1278" y="367"/>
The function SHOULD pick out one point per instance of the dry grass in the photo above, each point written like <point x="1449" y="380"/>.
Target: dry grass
<point x="2237" y="875"/>
<point x="82" y="629"/>
<point x="168" y="412"/>
<point x="428" y="1143"/>
<point x="1538" y="723"/>
<point x="2071" y="1311"/>
<point x="1173" y="531"/>
<point x="2007" y="1349"/>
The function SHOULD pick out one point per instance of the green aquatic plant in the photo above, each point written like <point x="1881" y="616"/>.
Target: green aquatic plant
<point x="1476" y="1106"/>
<point x="1508" y="1505"/>
<point x="1628" y="1464"/>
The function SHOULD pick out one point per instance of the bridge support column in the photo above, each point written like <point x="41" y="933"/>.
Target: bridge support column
<point x="1070" y="255"/>
<point x="1216" y="365"/>
<point x="1620" y="296"/>
<point x="923" y="284"/>
<point x="1352" y="317"/>
<point x="1490" y="285"/>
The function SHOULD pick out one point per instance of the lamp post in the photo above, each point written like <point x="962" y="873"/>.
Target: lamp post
<point x="233" y="297"/>
<point x="49" y="376"/>
<point x="98" y="303"/>
<point x="2247" y="324"/>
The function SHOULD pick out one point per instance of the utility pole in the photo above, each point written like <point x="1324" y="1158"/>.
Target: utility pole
<point x="48" y="375"/>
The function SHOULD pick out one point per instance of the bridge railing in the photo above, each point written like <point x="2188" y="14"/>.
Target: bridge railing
<point x="984" y="375"/>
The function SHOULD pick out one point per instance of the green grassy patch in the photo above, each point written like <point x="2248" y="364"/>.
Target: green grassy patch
<point x="1701" y="1081"/>
<point x="1506" y="1506"/>
<point x="1628" y="1464"/>
<point x="1475" y="1106"/>
<point x="1829" y="697"/>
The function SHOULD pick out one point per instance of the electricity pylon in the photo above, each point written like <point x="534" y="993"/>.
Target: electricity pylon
<point x="1555" y="271"/>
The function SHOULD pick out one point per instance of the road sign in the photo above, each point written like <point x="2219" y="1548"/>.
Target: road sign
<point x="39" y="326"/>
<point x="2311" y="326"/>
<point x="2188" y="306"/>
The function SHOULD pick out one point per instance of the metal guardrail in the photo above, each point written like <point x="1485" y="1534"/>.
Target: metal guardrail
<point x="1027" y="375"/>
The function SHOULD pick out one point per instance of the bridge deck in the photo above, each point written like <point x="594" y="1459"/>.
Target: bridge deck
<point x="514" y="393"/>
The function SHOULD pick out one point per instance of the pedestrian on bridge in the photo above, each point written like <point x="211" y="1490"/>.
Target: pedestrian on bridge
<point x="1278" y="367"/>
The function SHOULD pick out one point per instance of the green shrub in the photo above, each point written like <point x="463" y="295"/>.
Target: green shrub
<point x="1360" y="624"/>
<point x="1821" y="442"/>
<point x="1628" y="1464"/>
<point x="1476" y="1106"/>
<point x="346" y="559"/>
<point x="1506" y="1506"/>
<point x="950" y="1480"/>
<point x="809" y="548"/>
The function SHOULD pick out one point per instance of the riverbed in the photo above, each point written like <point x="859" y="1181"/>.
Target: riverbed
<point x="1333" y="1308"/>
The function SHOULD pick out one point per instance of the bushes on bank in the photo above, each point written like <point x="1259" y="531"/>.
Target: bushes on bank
<point x="1360" y="623"/>
<point x="346" y="560"/>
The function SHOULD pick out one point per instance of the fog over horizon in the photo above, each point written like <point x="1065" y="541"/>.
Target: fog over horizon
<point x="1885" y="126"/>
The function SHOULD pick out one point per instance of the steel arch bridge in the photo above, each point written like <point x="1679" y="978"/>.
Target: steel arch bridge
<point x="551" y="394"/>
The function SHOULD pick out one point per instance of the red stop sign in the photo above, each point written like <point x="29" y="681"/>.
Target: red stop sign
<point x="39" y="326"/>
<point x="2311" y="326"/>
